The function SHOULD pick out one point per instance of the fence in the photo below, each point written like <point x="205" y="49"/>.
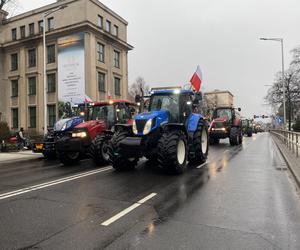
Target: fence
<point x="290" y="139"/>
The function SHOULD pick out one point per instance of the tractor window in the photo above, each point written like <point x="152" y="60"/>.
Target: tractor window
<point x="166" y="102"/>
<point x="123" y="113"/>
<point x="226" y="113"/>
<point x="105" y="113"/>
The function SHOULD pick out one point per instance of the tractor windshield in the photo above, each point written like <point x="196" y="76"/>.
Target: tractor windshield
<point x="223" y="113"/>
<point x="104" y="112"/>
<point x="166" y="102"/>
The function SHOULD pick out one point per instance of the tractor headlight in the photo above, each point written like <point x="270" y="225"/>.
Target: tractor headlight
<point x="134" y="128"/>
<point x="82" y="134"/>
<point x="147" y="127"/>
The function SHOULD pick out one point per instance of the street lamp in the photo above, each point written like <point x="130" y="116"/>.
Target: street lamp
<point x="283" y="77"/>
<point x="45" y="63"/>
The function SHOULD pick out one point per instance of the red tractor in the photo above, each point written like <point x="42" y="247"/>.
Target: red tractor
<point x="226" y="124"/>
<point x="90" y="138"/>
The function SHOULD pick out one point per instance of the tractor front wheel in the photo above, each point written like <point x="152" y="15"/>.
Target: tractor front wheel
<point x="99" y="150"/>
<point x="118" y="160"/>
<point x="172" y="152"/>
<point x="200" y="144"/>
<point x="234" y="137"/>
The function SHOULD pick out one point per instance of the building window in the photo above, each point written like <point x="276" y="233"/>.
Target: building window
<point x="14" y="34"/>
<point x="31" y="29"/>
<point x="51" y="115"/>
<point x="101" y="82"/>
<point x="31" y="58"/>
<point x="50" y="23"/>
<point x="14" y="88"/>
<point x="32" y="85"/>
<point x="116" y="30"/>
<point x="117" y="86"/>
<point x="51" y="53"/>
<point x="100" y="52"/>
<point x="41" y="26"/>
<point x="15" y="118"/>
<point x="51" y="82"/>
<point x="100" y="21"/>
<point x="22" y="31"/>
<point x="14" y="61"/>
<point x="116" y="59"/>
<point x="32" y="117"/>
<point x="108" y="26"/>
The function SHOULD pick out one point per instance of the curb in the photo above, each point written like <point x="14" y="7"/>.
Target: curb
<point x="288" y="161"/>
<point x="8" y="162"/>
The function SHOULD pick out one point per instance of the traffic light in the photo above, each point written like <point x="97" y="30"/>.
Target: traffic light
<point x="263" y="116"/>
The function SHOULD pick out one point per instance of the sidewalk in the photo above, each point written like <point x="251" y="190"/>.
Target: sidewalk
<point x="18" y="156"/>
<point x="292" y="161"/>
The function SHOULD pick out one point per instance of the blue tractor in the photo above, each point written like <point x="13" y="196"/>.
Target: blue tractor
<point x="171" y="133"/>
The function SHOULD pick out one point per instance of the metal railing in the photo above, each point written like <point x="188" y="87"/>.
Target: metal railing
<point x="290" y="139"/>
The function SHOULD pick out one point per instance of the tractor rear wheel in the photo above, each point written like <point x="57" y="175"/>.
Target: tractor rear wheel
<point x="99" y="150"/>
<point x="172" y="152"/>
<point x="200" y="144"/>
<point x="234" y="136"/>
<point x="119" y="161"/>
<point x="69" y="158"/>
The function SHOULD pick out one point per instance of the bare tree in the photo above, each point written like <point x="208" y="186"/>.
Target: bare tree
<point x="296" y="57"/>
<point x="292" y="89"/>
<point x="10" y="6"/>
<point x="139" y="87"/>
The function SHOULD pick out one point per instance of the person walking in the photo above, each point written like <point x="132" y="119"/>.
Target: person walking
<point x="21" y="139"/>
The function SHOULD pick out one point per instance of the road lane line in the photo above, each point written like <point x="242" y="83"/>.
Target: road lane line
<point x="200" y="166"/>
<point x="128" y="210"/>
<point x="51" y="183"/>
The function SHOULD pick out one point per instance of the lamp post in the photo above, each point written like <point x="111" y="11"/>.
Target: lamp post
<point x="282" y="69"/>
<point x="45" y="63"/>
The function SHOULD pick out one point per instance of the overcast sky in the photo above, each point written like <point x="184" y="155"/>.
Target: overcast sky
<point x="171" y="38"/>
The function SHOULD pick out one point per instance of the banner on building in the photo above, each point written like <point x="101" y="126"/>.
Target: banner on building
<point x="71" y="70"/>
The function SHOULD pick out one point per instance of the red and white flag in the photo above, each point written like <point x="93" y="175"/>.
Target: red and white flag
<point x="196" y="80"/>
<point x="87" y="99"/>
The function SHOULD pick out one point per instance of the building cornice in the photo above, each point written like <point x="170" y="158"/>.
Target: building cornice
<point x="66" y="30"/>
<point x="48" y="7"/>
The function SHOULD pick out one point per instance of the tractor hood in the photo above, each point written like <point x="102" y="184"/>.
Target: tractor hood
<point x="67" y="124"/>
<point x="160" y="115"/>
<point x="88" y="125"/>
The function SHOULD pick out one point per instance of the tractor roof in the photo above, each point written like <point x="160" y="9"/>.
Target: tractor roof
<point x="111" y="102"/>
<point x="171" y="91"/>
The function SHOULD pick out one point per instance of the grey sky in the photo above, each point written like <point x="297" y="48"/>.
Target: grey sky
<point x="172" y="37"/>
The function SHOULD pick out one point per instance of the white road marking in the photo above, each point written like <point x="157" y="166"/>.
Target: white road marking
<point x="226" y="151"/>
<point x="51" y="183"/>
<point x="205" y="163"/>
<point x="128" y="210"/>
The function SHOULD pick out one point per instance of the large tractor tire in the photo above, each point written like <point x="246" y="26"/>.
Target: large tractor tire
<point x="240" y="137"/>
<point x="49" y="155"/>
<point x="119" y="161"/>
<point x="200" y="145"/>
<point x="172" y="152"/>
<point x="234" y="136"/>
<point x="69" y="158"/>
<point x="99" y="150"/>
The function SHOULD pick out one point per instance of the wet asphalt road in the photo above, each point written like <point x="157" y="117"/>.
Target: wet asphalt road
<point x="244" y="198"/>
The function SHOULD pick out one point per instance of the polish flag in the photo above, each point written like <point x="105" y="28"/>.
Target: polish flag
<point x="196" y="79"/>
<point x="87" y="99"/>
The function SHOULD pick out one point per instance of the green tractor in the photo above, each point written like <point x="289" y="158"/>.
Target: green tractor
<point x="247" y="127"/>
<point x="171" y="133"/>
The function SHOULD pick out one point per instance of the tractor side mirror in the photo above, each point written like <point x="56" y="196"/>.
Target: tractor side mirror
<point x="239" y="109"/>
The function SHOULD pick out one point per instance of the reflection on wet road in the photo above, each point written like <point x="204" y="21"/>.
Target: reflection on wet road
<point x="242" y="198"/>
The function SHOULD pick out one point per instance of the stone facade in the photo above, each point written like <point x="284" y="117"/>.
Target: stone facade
<point x="79" y="16"/>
